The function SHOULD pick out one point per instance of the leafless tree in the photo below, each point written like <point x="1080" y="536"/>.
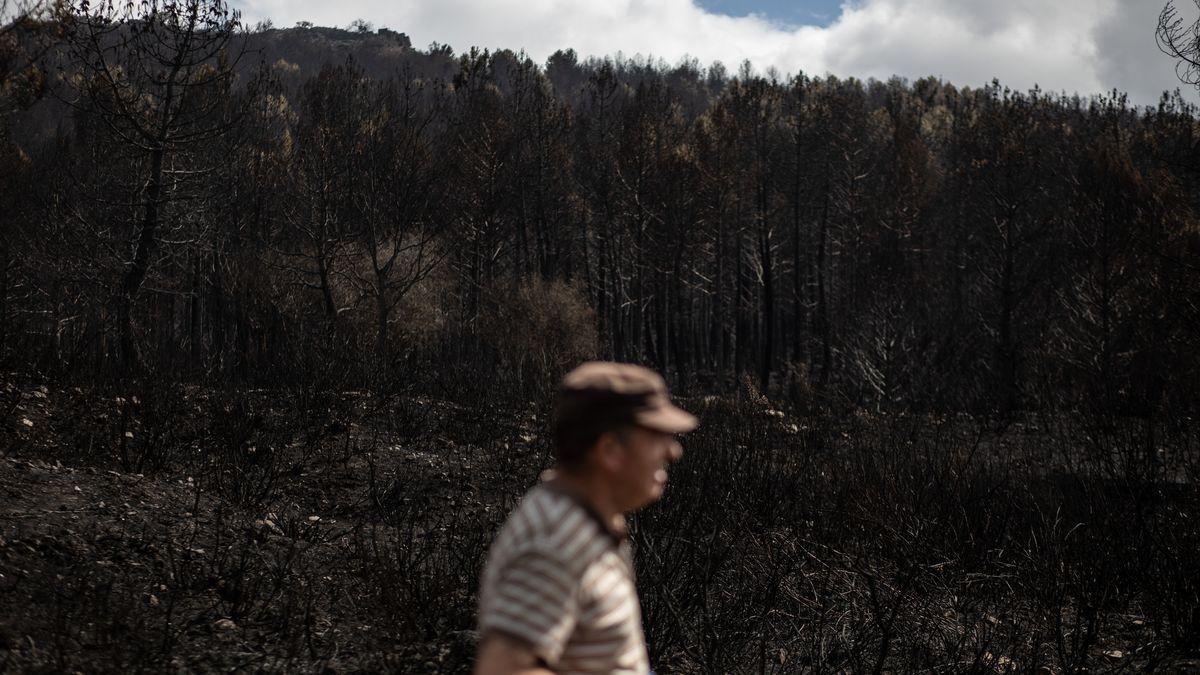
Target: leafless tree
<point x="316" y="206"/>
<point x="158" y="76"/>
<point x="397" y="191"/>
<point x="1180" y="39"/>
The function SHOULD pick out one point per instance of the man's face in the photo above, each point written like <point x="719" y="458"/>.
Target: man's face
<point x="641" y="474"/>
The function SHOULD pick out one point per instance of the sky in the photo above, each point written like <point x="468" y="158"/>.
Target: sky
<point x="783" y="12"/>
<point x="1074" y="46"/>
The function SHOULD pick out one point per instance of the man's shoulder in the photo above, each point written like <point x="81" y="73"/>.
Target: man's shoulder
<point x="540" y="514"/>
<point x="554" y="525"/>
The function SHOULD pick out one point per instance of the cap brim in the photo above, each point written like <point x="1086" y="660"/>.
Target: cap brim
<point x="667" y="418"/>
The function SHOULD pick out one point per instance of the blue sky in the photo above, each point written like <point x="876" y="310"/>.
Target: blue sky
<point x="791" y="12"/>
<point x="1073" y="46"/>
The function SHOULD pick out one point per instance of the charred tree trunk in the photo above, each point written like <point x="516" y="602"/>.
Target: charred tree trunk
<point x="822" y="322"/>
<point x="132" y="281"/>
<point x="326" y="289"/>
<point x="799" y="353"/>
<point x="720" y="327"/>
<point x="383" y="312"/>
<point x="1006" y="342"/>
<point x="768" y="331"/>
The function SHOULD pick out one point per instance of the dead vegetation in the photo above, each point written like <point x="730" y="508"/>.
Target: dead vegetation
<point x="205" y="529"/>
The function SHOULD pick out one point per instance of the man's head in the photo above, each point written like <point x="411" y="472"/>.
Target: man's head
<point x="615" y="422"/>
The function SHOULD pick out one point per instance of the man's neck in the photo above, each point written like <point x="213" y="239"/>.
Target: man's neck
<point x="595" y="494"/>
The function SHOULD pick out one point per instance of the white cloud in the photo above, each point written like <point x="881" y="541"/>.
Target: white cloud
<point x="1085" y="46"/>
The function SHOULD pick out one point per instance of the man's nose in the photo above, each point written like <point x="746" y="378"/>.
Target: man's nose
<point x="676" y="450"/>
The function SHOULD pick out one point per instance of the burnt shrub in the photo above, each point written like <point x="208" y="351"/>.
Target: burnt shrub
<point x="902" y="542"/>
<point x="519" y="343"/>
<point x="806" y="540"/>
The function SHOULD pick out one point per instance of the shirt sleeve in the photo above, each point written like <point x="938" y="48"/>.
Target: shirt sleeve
<point x="535" y="599"/>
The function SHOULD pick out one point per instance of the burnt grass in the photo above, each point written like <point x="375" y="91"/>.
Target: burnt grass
<point x="183" y="528"/>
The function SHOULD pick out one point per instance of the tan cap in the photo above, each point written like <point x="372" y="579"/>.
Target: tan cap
<point x="623" y="393"/>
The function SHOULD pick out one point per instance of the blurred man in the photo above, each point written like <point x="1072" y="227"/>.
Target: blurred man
<point x="558" y="593"/>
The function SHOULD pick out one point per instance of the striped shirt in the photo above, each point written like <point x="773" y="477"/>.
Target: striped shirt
<point x="557" y="579"/>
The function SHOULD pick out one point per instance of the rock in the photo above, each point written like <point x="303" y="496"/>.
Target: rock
<point x="225" y="624"/>
<point x="267" y="523"/>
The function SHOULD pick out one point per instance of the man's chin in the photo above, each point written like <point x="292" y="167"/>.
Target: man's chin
<point x="654" y="494"/>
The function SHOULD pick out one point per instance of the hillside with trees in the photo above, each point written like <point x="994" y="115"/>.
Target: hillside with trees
<point x="886" y="244"/>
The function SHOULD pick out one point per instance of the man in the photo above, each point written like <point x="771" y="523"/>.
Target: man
<point x="557" y="593"/>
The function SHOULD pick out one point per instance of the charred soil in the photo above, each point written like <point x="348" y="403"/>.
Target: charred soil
<point x="183" y="528"/>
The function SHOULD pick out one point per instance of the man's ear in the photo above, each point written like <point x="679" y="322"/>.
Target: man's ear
<point x="608" y="452"/>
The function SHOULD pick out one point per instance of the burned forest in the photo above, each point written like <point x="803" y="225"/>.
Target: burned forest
<point x="283" y="310"/>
